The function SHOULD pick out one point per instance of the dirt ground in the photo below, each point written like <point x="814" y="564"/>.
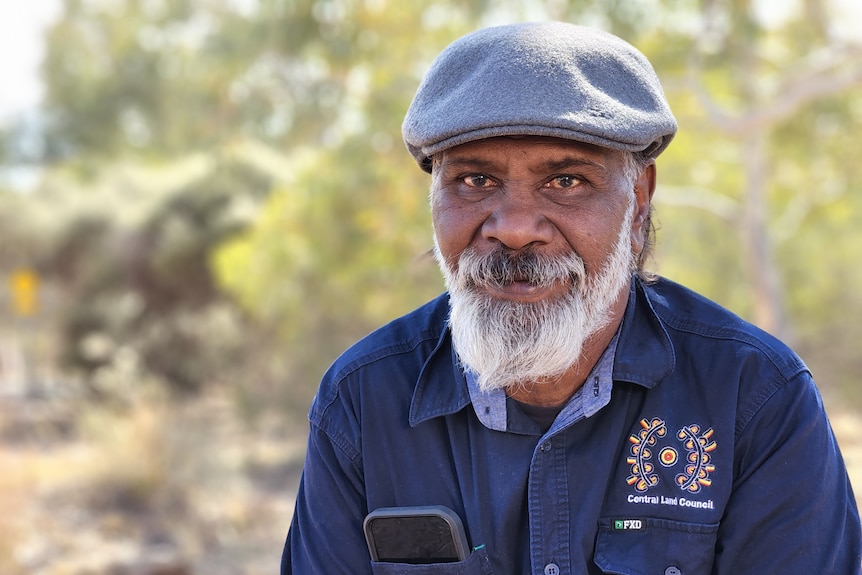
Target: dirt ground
<point x="161" y="489"/>
<point x="156" y="490"/>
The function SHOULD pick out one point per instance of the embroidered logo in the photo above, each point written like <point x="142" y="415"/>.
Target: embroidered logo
<point x="642" y="476"/>
<point x="698" y="463"/>
<point x="668" y="456"/>
<point x="697" y="445"/>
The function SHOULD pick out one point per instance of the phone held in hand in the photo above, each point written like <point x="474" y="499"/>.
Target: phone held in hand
<point x="416" y="535"/>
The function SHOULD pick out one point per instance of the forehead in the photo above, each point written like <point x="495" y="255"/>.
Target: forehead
<point x="533" y="149"/>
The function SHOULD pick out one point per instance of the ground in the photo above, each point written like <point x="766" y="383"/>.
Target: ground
<point x="158" y="489"/>
<point x="164" y="488"/>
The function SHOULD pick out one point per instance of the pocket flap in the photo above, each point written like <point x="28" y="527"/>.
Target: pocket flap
<point x="650" y="546"/>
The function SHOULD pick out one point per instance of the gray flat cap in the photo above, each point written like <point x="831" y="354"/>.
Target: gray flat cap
<point x="539" y="79"/>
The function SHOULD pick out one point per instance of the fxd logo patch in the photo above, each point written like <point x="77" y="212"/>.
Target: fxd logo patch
<point x="695" y="468"/>
<point x="627" y="524"/>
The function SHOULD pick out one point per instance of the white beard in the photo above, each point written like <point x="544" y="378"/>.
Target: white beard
<point x="508" y="344"/>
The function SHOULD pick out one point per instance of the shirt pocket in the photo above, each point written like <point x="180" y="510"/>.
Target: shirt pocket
<point x="477" y="563"/>
<point x="650" y="546"/>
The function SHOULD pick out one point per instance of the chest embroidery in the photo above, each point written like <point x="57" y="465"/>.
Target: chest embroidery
<point x="694" y="467"/>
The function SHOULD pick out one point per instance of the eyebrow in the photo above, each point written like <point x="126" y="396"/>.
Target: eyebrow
<point x="571" y="162"/>
<point x="468" y="161"/>
<point x="557" y="165"/>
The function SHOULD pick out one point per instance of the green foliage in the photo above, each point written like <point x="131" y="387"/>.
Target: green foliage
<point x="343" y="244"/>
<point x="239" y="204"/>
<point x="135" y="277"/>
<point x="334" y="254"/>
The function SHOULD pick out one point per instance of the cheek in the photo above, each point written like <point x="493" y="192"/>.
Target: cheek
<point x="454" y="229"/>
<point x="595" y="235"/>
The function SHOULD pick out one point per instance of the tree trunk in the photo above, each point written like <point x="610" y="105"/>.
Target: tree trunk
<point x="768" y="304"/>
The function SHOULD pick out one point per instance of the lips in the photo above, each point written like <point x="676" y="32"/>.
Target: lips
<point x="536" y="272"/>
<point x="504" y="279"/>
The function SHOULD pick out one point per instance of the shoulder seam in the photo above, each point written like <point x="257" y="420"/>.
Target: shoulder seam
<point x="786" y="369"/>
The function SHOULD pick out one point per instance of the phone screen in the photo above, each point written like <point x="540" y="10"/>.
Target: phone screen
<point x="419" y="537"/>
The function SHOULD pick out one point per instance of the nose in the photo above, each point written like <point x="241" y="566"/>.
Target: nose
<point x="516" y="221"/>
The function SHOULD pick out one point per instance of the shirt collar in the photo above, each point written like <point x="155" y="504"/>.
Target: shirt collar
<point x="441" y="388"/>
<point x="490" y="406"/>
<point x="643" y="355"/>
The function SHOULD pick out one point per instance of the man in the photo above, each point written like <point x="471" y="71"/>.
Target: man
<point x="577" y="414"/>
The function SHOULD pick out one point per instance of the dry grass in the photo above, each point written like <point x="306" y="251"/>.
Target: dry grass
<point x="158" y="489"/>
<point x="165" y="489"/>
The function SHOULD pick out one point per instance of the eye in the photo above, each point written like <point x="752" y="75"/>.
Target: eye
<point x="478" y="181"/>
<point x="564" y="182"/>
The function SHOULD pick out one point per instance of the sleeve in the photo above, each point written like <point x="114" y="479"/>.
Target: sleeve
<point x="792" y="509"/>
<point x="325" y="535"/>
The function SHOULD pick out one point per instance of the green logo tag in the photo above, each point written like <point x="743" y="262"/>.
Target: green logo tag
<point x="627" y="524"/>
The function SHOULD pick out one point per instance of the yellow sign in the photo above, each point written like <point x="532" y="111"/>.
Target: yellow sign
<point x="25" y="286"/>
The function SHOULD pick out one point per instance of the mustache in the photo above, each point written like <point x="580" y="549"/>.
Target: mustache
<point x="499" y="268"/>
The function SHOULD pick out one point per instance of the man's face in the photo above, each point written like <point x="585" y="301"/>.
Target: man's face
<point x="536" y="238"/>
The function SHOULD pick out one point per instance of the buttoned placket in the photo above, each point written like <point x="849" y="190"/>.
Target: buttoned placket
<point x="548" y="489"/>
<point x="548" y="499"/>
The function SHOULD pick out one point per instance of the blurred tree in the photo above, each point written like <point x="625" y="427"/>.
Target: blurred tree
<point x="739" y="77"/>
<point x="769" y="105"/>
<point x="342" y="246"/>
<point x="142" y="116"/>
<point x="174" y="122"/>
<point x="772" y="74"/>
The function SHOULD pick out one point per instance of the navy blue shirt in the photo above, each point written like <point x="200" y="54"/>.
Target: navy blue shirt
<point x="697" y="445"/>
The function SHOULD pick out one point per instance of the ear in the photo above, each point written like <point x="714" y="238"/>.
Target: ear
<point x="643" y="191"/>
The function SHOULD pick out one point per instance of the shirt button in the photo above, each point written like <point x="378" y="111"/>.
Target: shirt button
<point x="552" y="569"/>
<point x="546" y="447"/>
<point x="672" y="570"/>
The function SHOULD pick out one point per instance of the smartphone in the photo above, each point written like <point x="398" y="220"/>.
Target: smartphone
<point x="417" y="535"/>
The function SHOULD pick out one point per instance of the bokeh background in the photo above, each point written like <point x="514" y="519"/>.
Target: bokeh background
<point x="202" y="202"/>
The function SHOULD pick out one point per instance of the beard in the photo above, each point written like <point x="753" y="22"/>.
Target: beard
<point x="508" y="344"/>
